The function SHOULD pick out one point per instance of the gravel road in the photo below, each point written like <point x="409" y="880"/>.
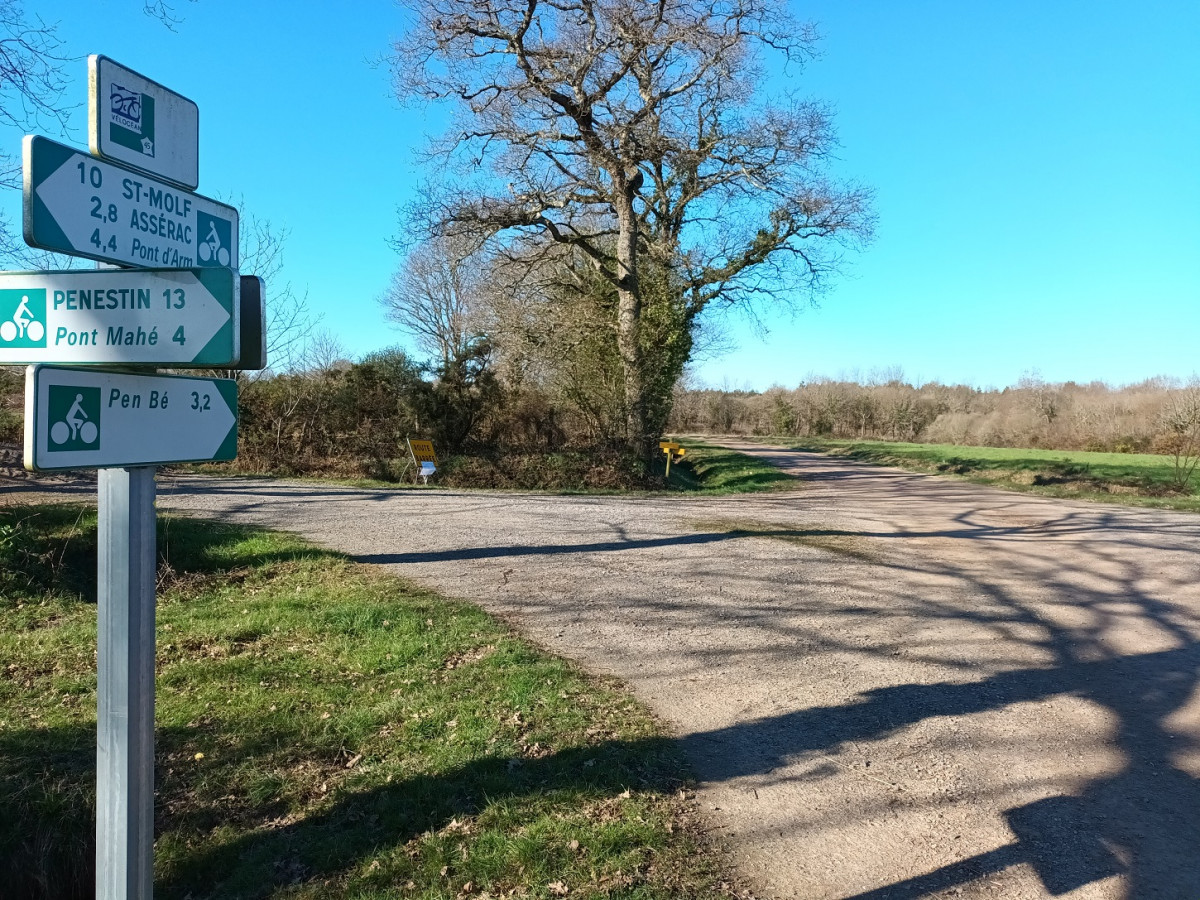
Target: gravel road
<point x="891" y="685"/>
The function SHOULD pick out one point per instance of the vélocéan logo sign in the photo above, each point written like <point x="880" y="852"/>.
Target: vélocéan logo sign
<point x="131" y="119"/>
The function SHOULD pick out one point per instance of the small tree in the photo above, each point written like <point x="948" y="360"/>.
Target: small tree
<point x="1181" y="433"/>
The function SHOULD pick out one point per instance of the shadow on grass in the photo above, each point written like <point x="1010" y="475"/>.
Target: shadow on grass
<point x="50" y="549"/>
<point x="713" y="471"/>
<point x="1138" y="823"/>
<point x="204" y="547"/>
<point x="48" y="844"/>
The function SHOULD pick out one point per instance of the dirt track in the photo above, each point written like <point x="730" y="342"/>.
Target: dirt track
<point x="891" y="685"/>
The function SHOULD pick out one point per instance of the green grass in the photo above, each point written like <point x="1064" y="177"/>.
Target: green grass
<point x="1135" y="479"/>
<point x="714" y="470"/>
<point x="325" y="730"/>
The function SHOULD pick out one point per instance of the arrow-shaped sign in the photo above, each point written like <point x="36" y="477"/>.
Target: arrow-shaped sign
<point x="84" y="206"/>
<point x="169" y="317"/>
<point x="89" y="419"/>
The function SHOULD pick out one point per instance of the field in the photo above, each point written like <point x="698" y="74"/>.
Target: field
<point x="1135" y="479"/>
<point x="326" y="730"/>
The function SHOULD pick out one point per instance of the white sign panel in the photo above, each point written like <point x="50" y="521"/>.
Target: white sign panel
<point x="168" y="317"/>
<point x="141" y="123"/>
<point x="83" y="206"/>
<point x="88" y="419"/>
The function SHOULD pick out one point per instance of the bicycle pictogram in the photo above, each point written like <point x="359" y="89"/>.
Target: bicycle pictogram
<point x="126" y="103"/>
<point x="75" y="426"/>
<point x="22" y="325"/>
<point x="211" y="249"/>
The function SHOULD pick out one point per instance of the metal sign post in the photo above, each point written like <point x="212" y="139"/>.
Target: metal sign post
<point x="125" y="686"/>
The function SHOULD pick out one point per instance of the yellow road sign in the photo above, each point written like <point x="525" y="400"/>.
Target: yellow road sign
<point x="422" y="451"/>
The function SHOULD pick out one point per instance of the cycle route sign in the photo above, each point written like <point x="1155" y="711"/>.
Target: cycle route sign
<point x="88" y="418"/>
<point x="167" y="317"/>
<point x="137" y="121"/>
<point x="80" y="205"/>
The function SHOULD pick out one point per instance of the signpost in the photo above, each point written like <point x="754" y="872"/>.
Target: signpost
<point x="168" y="317"/>
<point x="89" y="418"/>
<point x="187" y="305"/>
<point x="674" y="451"/>
<point x="139" y="122"/>
<point x="125" y="569"/>
<point x="424" y="456"/>
<point x="83" y="206"/>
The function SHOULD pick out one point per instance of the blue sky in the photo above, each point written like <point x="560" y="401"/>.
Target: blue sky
<point x="1036" y="169"/>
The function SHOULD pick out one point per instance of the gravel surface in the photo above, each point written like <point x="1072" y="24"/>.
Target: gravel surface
<point x="890" y="685"/>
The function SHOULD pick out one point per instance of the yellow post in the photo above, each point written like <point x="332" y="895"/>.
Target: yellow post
<point x="670" y="448"/>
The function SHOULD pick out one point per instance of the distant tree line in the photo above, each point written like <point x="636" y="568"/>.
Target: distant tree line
<point x="500" y="421"/>
<point x="1153" y="416"/>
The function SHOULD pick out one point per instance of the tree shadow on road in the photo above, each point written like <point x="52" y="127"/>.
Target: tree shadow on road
<point x="1076" y="604"/>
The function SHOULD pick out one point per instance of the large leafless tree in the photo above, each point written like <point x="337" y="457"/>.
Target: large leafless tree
<point x="638" y="133"/>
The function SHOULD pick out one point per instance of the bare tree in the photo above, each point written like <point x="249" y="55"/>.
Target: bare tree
<point x="1046" y="400"/>
<point x="435" y="294"/>
<point x="1181" y="426"/>
<point x="323" y="353"/>
<point x="31" y="87"/>
<point x="630" y="130"/>
<point x="31" y="78"/>
<point x="164" y="12"/>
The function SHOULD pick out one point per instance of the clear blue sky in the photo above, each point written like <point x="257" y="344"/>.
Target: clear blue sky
<point x="1036" y="165"/>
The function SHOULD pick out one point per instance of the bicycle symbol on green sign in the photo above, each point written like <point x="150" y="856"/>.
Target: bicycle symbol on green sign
<point x="217" y="234"/>
<point x="75" y="417"/>
<point x="23" y="328"/>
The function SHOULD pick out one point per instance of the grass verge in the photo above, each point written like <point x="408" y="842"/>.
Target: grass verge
<point x="715" y="470"/>
<point x="705" y="470"/>
<point x="1133" y="479"/>
<point x="325" y="730"/>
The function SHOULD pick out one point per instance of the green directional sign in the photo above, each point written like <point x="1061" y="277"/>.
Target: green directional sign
<point x="77" y="204"/>
<point x="167" y="317"/>
<point x="90" y="419"/>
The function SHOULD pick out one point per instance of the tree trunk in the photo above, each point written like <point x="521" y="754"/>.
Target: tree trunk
<point x="629" y="325"/>
<point x="637" y="436"/>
